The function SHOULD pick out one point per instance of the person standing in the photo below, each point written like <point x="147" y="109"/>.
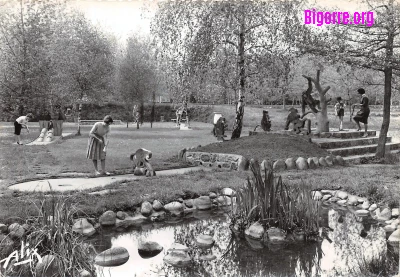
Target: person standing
<point x="19" y="123"/>
<point x="339" y="109"/>
<point x="96" y="149"/>
<point x="363" y="113"/>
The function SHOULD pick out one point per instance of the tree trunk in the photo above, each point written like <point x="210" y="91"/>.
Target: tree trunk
<point x="322" y="116"/>
<point x="380" y="151"/>
<point x="237" y="126"/>
<point x="283" y="100"/>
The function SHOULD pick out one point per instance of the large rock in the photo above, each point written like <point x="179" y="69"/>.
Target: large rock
<point x="342" y="202"/>
<point x="207" y="257"/>
<point x="128" y="221"/>
<point x="146" y="208"/>
<point x="386" y="214"/>
<point x="373" y="207"/>
<point x="108" y="218"/>
<point x="276" y="235"/>
<point x="322" y="162"/>
<point x="228" y="192"/>
<point x="178" y="259"/>
<point x="340" y="160"/>
<point x="188" y="203"/>
<point x="83" y="227"/>
<point x="316" y="161"/>
<point x="205" y="241"/>
<point x="279" y="165"/>
<point x="157" y="205"/>
<point x="342" y="195"/>
<point x="16" y="230"/>
<point x="311" y="163"/>
<point x="178" y="247"/>
<point x="365" y="205"/>
<point x="212" y="195"/>
<point x="362" y="212"/>
<point x="395" y="212"/>
<point x="3" y="228"/>
<point x="395" y="236"/>
<point x="224" y="200"/>
<point x="290" y="163"/>
<point x="122" y="215"/>
<point x="316" y="195"/>
<point x="329" y="160"/>
<point x="255" y="231"/>
<point x="202" y="203"/>
<point x="49" y="267"/>
<point x="265" y="165"/>
<point x="301" y="163"/>
<point x="352" y="200"/>
<point x="326" y="197"/>
<point x="112" y="257"/>
<point x="149" y="249"/>
<point x="158" y="216"/>
<point x="175" y="208"/>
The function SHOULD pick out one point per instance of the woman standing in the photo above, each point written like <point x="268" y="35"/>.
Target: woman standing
<point x="97" y="144"/>
<point x="363" y="113"/>
<point x="19" y="123"/>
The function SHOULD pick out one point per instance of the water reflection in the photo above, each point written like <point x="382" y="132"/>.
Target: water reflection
<point x="348" y="242"/>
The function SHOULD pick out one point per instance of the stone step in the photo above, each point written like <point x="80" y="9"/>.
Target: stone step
<point x="344" y="134"/>
<point x="341" y="143"/>
<point x="362" y="149"/>
<point x="357" y="159"/>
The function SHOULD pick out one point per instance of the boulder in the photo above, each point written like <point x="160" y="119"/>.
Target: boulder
<point x="202" y="203"/>
<point x="311" y="163"/>
<point x="395" y="212"/>
<point x="146" y="208"/>
<point x="329" y="160"/>
<point x="205" y="241"/>
<point x="340" y="160"/>
<point x="255" y="231"/>
<point x="334" y="199"/>
<point x="121" y="215"/>
<point x="83" y="227"/>
<point x="342" y="195"/>
<point x="3" y="228"/>
<point x="178" y="259"/>
<point x="84" y="273"/>
<point x="228" y="192"/>
<point x="395" y="236"/>
<point x="157" y="206"/>
<point x="49" y="267"/>
<point x="158" y="216"/>
<point x="322" y="162"/>
<point x="316" y="195"/>
<point x="276" y="235"/>
<point x="352" y="200"/>
<point x="362" y="212"/>
<point x="15" y="230"/>
<point x="212" y="195"/>
<point x="175" y="208"/>
<point x="149" y="249"/>
<point x="224" y="200"/>
<point x="128" y="221"/>
<point x="112" y="257"/>
<point x="207" y="257"/>
<point x="178" y="247"/>
<point x="290" y="163"/>
<point x="108" y="218"/>
<point x="342" y="202"/>
<point x="301" y="163"/>
<point x="365" y="205"/>
<point x="188" y="203"/>
<point x="326" y="197"/>
<point x="373" y="207"/>
<point x="389" y="228"/>
<point x="328" y="191"/>
<point x="279" y="165"/>
<point x="265" y="165"/>
<point x="316" y="161"/>
<point x="386" y="214"/>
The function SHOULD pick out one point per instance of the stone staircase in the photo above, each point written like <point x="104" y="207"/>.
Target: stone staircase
<point x="351" y="145"/>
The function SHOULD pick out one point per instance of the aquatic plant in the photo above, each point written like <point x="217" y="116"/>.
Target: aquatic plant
<point x="50" y="232"/>
<point x="268" y="199"/>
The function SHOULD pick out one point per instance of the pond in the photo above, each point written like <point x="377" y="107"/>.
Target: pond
<point x="349" y="245"/>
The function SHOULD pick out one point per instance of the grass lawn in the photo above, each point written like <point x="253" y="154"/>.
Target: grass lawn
<point x="18" y="163"/>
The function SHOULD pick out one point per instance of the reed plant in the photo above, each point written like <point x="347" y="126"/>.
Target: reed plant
<point x="51" y="233"/>
<point x="267" y="199"/>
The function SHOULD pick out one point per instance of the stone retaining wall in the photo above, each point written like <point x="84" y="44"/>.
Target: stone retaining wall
<point x="217" y="160"/>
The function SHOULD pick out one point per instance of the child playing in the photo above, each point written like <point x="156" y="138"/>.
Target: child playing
<point x="339" y="109"/>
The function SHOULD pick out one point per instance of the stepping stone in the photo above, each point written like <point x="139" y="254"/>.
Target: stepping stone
<point x="112" y="257"/>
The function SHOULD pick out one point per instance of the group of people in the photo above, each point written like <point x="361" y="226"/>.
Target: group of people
<point x="361" y="116"/>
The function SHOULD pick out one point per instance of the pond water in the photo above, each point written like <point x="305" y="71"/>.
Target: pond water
<point x="349" y="243"/>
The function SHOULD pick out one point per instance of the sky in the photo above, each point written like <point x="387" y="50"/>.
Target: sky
<point x="123" y="17"/>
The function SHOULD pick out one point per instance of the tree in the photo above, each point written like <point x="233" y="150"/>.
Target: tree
<point x="372" y="47"/>
<point x="137" y="74"/>
<point x="193" y="35"/>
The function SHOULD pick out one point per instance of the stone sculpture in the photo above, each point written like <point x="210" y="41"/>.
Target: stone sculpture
<point x="141" y="164"/>
<point x="300" y="124"/>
